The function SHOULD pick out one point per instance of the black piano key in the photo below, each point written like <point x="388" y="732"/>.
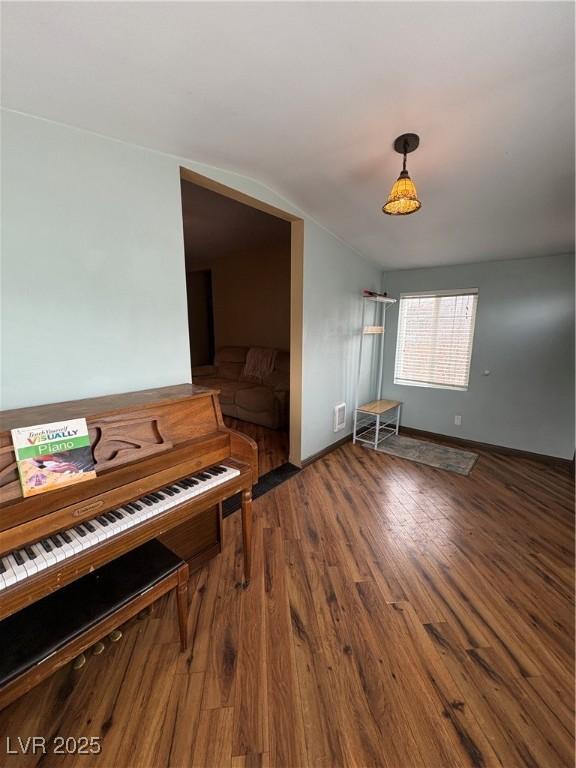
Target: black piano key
<point x="221" y="468"/>
<point x="46" y="546"/>
<point x="79" y="530"/>
<point x="136" y="504"/>
<point x="203" y="476"/>
<point x="130" y="507"/>
<point x="146" y="500"/>
<point x="66" y="536"/>
<point x="2" y="566"/>
<point x="89" y="526"/>
<point x="175" y="488"/>
<point x="167" y="491"/>
<point x="30" y="552"/>
<point x="157" y="496"/>
<point x="110" y="517"/>
<point x="190" y="483"/>
<point x="117" y="514"/>
<point x="182" y="484"/>
<point x="102" y="520"/>
<point x="56" y="540"/>
<point x="18" y="557"/>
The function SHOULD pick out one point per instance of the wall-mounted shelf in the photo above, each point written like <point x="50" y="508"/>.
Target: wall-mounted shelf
<point x="380" y="299"/>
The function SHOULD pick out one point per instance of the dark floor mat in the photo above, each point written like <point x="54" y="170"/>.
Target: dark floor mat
<point x="267" y="482"/>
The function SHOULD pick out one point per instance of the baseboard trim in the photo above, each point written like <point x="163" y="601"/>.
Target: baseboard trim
<point x="326" y="451"/>
<point x="473" y="444"/>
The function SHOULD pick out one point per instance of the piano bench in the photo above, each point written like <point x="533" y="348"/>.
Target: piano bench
<point x="46" y="635"/>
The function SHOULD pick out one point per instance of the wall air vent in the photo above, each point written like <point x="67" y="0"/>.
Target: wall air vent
<point x="339" y="417"/>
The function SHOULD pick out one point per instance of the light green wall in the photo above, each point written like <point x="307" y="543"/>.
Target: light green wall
<point x="93" y="289"/>
<point x="524" y="336"/>
<point x="93" y="300"/>
<point x="333" y="283"/>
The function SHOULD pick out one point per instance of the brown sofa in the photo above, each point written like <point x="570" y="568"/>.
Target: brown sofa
<point x="260" y="401"/>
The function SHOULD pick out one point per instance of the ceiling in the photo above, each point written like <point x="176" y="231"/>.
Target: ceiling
<point x="308" y="98"/>
<point x="216" y="226"/>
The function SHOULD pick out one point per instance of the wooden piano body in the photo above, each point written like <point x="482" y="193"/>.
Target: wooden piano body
<point x="141" y="442"/>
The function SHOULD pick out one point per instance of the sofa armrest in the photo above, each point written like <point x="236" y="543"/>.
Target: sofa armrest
<point x="204" y="370"/>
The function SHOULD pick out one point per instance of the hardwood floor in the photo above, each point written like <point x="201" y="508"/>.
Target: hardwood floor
<point x="398" y="616"/>
<point x="272" y="443"/>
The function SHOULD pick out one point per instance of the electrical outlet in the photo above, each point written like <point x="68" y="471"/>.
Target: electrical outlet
<point x="339" y="417"/>
<point x="458" y="420"/>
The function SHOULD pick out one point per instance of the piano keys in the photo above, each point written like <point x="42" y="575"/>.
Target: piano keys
<point x="42" y="555"/>
<point x="164" y="459"/>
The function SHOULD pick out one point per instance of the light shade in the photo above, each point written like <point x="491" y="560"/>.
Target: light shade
<point x="403" y="198"/>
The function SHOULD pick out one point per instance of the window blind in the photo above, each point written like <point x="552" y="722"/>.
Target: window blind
<point x="435" y="335"/>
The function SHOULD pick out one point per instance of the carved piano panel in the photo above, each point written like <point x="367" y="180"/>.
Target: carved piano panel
<point x="122" y="439"/>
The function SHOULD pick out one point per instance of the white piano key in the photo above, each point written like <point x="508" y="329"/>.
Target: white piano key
<point x="9" y="575"/>
<point x="99" y="533"/>
<point x="68" y="548"/>
<point x="59" y="552"/>
<point x="39" y="550"/>
<point x="29" y="565"/>
<point x="50" y="557"/>
<point x="106" y="530"/>
<point x="77" y="541"/>
<point x="19" y="570"/>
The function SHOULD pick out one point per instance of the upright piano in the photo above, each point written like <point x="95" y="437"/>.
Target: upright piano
<point x="164" y="461"/>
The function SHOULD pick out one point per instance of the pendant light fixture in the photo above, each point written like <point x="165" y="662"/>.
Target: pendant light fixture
<point x="403" y="198"/>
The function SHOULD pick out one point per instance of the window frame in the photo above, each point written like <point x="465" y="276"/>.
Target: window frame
<point x="436" y="294"/>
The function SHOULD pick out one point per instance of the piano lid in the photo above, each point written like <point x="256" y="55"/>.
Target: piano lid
<point x="92" y="406"/>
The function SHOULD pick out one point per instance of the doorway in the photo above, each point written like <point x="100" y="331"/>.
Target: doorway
<point x="244" y="288"/>
<point x="200" y="316"/>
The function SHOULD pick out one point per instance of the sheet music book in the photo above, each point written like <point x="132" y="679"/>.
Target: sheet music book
<point x="51" y="456"/>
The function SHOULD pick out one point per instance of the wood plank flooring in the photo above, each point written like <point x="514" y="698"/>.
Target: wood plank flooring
<point x="399" y="616"/>
<point x="272" y="443"/>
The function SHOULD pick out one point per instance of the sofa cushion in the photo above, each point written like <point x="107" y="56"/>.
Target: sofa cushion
<point x="255" y="398"/>
<point x="278" y="380"/>
<point x="231" y="355"/>
<point x="230" y="371"/>
<point x="228" y="388"/>
<point x="204" y="370"/>
<point x="259" y="363"/>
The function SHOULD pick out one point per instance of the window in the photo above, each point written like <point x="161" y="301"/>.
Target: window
<point x="435" y="334"/>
